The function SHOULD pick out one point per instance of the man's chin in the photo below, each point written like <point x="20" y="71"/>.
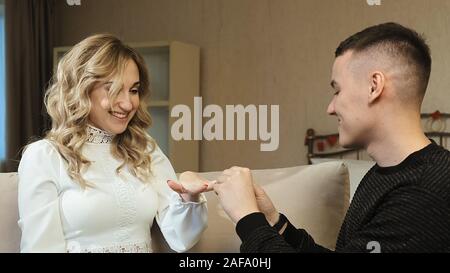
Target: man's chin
<point x="345" y="143"/>
<point x="349" y="145"/>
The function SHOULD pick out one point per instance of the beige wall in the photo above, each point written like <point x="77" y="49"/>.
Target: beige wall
<point x="264" y="52"/>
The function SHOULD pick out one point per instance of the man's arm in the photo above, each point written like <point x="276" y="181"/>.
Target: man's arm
<point x="258" y="236"/>
<point x="410" y="219"/>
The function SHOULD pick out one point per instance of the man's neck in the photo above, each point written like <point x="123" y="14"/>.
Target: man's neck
<point x="396" y="142"/>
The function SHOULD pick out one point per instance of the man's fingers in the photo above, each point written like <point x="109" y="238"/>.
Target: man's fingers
<point x="258" y="189"/>
<point x="210" y="184"/>
<point x="228" y="172"/>
<point x="222" y="178"/>
<point x="216" y="186"/>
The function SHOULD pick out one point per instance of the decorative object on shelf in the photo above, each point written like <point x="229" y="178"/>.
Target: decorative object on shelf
<point x="332" y="140"/>
<point x="436" y="115"/>
<point x="320" y="146"/>
<point x="436" y="122"/>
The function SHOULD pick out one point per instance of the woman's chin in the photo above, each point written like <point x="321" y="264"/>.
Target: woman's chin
<point x="119" y="131"/>
<point x="116" y="129"/>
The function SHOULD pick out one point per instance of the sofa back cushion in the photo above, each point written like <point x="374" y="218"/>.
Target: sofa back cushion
<point x="357" y="169"/>
<point x="9" y="213"/>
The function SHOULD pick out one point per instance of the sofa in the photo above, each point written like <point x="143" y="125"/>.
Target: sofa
<point x="314" y="197"/>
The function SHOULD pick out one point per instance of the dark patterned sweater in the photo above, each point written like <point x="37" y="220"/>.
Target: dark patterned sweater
<point x="404" y="208"/>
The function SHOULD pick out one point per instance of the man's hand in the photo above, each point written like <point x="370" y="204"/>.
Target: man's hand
<point x="236" y="194"/>
<point x="190" y="186"/>
<point x="265" y="205"/>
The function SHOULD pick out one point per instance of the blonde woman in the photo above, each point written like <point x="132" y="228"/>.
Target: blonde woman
<point x="97" y="180"/>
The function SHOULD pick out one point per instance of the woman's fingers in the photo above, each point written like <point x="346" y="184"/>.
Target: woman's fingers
<point x="191" y="182"/>
<point x="176" y="186"/>
<point x="188" y="187"/>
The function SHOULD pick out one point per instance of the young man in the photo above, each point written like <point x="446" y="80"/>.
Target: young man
<point x="403" y="204"/>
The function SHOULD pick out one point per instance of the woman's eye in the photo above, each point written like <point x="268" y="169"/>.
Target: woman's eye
<point x="134" y="91"/>
<point x="337" y="92"/>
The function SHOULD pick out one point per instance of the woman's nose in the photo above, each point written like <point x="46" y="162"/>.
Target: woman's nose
<point x="124" y="101"/>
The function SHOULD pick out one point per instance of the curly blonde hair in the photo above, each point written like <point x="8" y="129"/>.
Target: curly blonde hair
<point x="97" y="58"/>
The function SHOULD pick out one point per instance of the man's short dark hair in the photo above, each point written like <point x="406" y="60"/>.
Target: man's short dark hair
<point x="398" y="41"/>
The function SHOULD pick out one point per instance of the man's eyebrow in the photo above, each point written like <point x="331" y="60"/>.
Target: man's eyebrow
<point x="334" y="84"/>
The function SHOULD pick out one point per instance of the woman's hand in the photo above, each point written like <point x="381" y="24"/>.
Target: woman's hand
<point x="190" y="186"/>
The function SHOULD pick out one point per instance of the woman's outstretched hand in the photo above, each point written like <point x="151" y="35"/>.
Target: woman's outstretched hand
<point x="190" y="185"/>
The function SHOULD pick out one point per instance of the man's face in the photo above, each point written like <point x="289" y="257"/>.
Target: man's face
<point x="350" y="102"/>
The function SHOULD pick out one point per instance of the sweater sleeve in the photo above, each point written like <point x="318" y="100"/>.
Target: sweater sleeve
<point x="409" y="219"/>
<point x="181" y="223"/>
<point x="258" y="236"/>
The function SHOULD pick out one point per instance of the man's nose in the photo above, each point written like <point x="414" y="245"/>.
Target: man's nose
<point x="330" y="109"/>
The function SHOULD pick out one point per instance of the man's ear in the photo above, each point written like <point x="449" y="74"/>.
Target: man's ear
<point x="377" y="83"/>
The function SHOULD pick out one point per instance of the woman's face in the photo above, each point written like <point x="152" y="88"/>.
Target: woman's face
<point x="115" y="120"/>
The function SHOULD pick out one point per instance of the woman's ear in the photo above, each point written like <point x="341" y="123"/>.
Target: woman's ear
<point x="377" y="86"/>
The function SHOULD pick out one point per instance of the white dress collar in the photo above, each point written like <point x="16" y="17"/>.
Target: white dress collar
<point x="98" y="136"/>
